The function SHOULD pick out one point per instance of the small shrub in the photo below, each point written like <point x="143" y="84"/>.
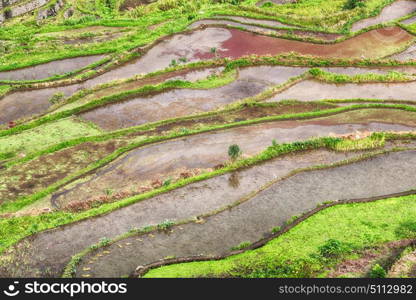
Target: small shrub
<point x="234" y="151"/>
<point x="332" y="248"/>
<point x="351" y="4"/>
<point x="241" y="246"/>
<point x="165" y="225"/>
<point x="378" y="272"/>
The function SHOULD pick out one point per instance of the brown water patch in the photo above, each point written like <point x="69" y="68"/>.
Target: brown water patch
<point x="320" y="91"/>
<point x="46" y="253"/>
<point x="391" y="12"/>
<point x="182" y="102"/>
<point x="253" y="220"/>
<point x="373" y="44"/>
<point x="207" y="150"/>
<point x="50" y="69"/>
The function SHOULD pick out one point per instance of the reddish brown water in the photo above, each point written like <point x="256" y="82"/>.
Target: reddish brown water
<point x="373" y="44"/>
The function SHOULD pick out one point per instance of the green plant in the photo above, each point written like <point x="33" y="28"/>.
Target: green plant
<point x="331" y="248"/>
<point x="377" y="271"/>
<point x="234" y="151"/>
<point x="351" y="4"/>
<point x="241" y="246"/>
<point x="165" y="225"/>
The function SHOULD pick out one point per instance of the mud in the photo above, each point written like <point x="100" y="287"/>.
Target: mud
<point x="57" y="67"/>
<point x="254" y="219"/>
<point x="159" y="161"/>
<point x="320" y="91"/>
<point x="46" y="253"/>
<point x="394" y="11"/>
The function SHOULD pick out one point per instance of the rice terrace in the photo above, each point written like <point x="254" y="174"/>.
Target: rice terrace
<point x="208" y="138"/>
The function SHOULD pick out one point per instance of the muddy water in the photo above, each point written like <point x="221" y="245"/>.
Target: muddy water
<point x="25" y="104"/>
<point x="372" y="44"/>
<point x="49" y="69"/>
<point x="254" y="219"/>
<point x="182" y="102"/>
<point x="320" y="91"/>
<point x="207" y="150"/>
<point x="50" y="251"/>
<point x="394" y="11"/>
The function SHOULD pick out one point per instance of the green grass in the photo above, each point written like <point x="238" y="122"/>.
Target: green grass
<point x="40" y="137"/>
<point x="355" y="225"/>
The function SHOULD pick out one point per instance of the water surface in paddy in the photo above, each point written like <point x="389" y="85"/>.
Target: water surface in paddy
<point x="317" y="90"/>
<point x="56" y="67"/>
<point x="207" y="150"/>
